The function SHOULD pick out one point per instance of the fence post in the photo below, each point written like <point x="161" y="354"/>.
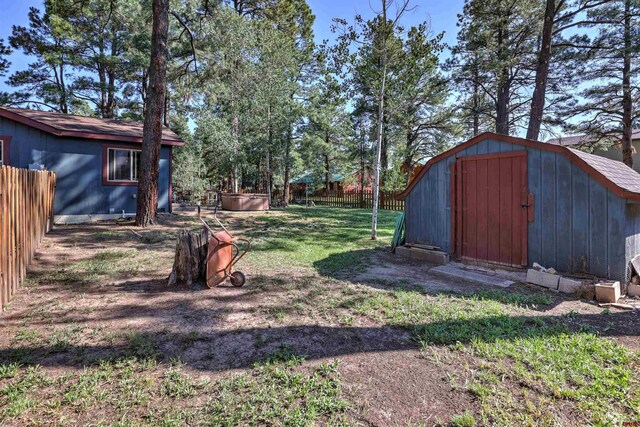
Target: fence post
<point x="26" y="206"/>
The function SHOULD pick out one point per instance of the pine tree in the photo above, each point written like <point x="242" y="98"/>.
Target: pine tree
<point x="607" y="109"/>
<point x="152" y="131"/>
<point x="47" y="81"/>
<point x="495" y="52"/>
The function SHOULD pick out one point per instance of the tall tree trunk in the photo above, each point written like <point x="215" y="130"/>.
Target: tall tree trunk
<point x="476" y="98"/>
<point x="327" y="174"/>
<point x="502" y="105"/>
<point x="406" y="164"/>
<point x="268" y="158"/>
<point x="376" y="179"/>
<point x="236" y="150"/>
<point x="627" y="102"/>
<point x="504" y="89"/>
<point x="362" y="170"/>
<point x="287" y="166"/>
<point x="542" y="73"/>
<point x="64" y="107"/>
<point x="111" y="73"/>
<point x="384" y="154"/>
<point x="152" y="128"/>
<point x="267" y="167"/>
<point x="166" y="107"/>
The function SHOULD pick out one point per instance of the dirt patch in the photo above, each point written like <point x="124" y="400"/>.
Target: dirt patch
<point x="98" y="292"/>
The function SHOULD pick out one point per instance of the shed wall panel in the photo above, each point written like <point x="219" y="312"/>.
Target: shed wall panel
<point x="548" y="202"/>
<point x="597" y="228"/>
<point x="564" y="213"/>
<point x="534" y="172"/>
<point x="632" y="234"/>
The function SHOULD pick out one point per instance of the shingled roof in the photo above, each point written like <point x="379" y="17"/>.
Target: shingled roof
<point x="581" y="139"/>
<point x="614" y="175"/>
<point x="70" y="125"/>
<point x="617" y="172"/>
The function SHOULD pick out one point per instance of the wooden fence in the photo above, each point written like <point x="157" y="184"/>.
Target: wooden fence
<point x="26" y="214"/>
<point x="363" y="200"/>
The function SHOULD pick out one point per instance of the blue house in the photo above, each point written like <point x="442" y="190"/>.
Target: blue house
<point x="95" y="160"/>
<point x="508" y="201"/>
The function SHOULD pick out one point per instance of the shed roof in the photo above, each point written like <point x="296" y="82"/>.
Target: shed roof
<point x="617" y="172"/>
<point x="614" y="175"/>
<point x="582" y="139"/>
<point x="84" y="127"/>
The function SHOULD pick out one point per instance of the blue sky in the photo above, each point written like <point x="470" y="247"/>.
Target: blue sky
<point x="441" y="14"/>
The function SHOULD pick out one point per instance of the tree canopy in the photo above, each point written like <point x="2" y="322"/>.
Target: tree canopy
<point x="261" y="103"/>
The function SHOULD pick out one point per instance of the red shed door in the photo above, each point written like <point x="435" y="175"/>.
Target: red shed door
<point x="491" y="195"/>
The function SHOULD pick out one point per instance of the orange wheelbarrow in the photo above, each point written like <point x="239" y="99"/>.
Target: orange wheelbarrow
<point x="223" y="253"/>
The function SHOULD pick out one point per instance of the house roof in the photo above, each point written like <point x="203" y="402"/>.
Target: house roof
<point x="581" y="139"/>
<point x="612" y="174"/>
<point x="84" y="127"/>
<point x="310" y="178"/>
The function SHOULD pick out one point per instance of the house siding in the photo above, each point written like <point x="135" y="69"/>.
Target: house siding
<point x="78" y="166"/>
<point x="579" y="224"/>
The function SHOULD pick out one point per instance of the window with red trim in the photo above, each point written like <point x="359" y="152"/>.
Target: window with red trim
<point x="4" y="150"/>
<point x="122" y="165"/>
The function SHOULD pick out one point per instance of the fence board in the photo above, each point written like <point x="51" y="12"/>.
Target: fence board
<point x="352" y="199"/>
<point x="26" y="214"/>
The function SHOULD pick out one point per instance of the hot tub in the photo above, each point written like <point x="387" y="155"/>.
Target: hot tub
<point x="245" y="202"/>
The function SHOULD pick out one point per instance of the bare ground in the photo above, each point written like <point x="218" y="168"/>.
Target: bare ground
<point x="65" y="318"/>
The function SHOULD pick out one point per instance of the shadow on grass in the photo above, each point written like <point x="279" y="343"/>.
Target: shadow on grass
<point x="240" y="348"/>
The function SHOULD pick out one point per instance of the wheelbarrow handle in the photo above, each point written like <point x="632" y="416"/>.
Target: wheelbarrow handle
<point x="213" y="234"/>
<point x="240" y="254"/>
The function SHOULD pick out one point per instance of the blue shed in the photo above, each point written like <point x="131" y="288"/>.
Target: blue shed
<point x="95" y="160"/>
<point x="508" y="201"/>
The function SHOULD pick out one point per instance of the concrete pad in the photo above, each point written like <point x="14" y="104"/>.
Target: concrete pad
<point x="633" y="290"/>
<point x="569" y="286"/>
<point x="454" y="272"/>
<point x="541" y="278"/>
<point x="608" y="292"/>
<point x="433" y="257"/>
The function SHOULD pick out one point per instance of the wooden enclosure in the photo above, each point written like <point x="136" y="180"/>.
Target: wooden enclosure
<point x="352" y="199"/>
<point x="26" y="214"/>
<point x="245" y="202"/>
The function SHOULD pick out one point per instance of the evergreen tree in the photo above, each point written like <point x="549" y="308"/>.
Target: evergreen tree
<point x="606" y="109"/>
<point x="48" y="80"/>
<point x="500" y="36"/>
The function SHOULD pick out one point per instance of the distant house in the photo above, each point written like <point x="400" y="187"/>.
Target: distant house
<point x="312" y="182"/>
<point x="614" y="151"/>
<point x="96" y="160"/>
<point x="341" y="183"/>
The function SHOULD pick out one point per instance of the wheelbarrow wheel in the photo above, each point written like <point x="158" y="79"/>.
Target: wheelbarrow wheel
<point x="237" y="278"/>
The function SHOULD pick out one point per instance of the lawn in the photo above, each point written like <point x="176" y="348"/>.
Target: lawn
<point x="331" y="329"/>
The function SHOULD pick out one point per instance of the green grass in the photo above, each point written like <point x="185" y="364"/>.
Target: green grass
<point x="132" y="392"/>
<point x="326" y="239"/>
<point x="102" y="266"/>
<point x="464" y="420"/>
<point x="517" y="366"/>
<point x="528" y="366"/>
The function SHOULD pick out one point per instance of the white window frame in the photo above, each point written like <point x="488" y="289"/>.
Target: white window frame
<point x="1" y="152"/>
<point x="133" y="166"/>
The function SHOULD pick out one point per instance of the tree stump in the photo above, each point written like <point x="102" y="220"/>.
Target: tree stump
<point x="190" y="262"/>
